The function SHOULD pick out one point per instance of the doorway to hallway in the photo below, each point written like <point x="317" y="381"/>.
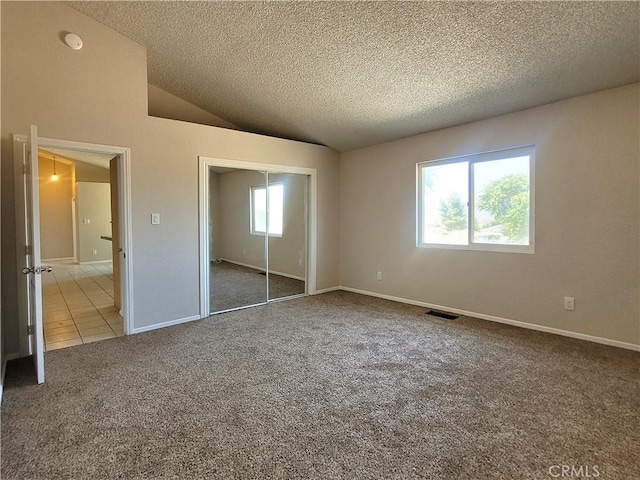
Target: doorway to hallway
<point x="78" y="304"/>
<point x="28" y="247"/>
<point x="79" y="241"/>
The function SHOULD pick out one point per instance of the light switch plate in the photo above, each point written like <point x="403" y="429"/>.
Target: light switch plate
<point x="155" y="219"/>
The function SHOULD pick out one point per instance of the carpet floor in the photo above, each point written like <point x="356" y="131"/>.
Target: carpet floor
<point x="330" y="386"/>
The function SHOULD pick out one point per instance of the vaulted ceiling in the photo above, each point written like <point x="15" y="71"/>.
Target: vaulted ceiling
<point x="351" y="74"/>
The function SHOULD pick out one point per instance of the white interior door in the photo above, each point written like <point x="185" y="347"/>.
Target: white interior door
<point x="33" y="269"/>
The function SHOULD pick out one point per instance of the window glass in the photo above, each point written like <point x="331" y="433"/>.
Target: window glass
<point x="501" y="201"/>
<point x="259" y="209"/>
<point x="477" y="202"/>
<point x="276" y="204"/>
<point x="445" y="198"/>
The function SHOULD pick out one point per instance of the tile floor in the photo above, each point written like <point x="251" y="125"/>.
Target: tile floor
<point x="77" y="303"/>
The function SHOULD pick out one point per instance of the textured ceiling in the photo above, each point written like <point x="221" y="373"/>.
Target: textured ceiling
<point x="351" y="74"/>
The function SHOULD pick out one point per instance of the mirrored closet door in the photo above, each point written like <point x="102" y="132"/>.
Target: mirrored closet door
<point x="258" y="235"/>
<point x="238" y="262"/>
<point x="287" y="243"/>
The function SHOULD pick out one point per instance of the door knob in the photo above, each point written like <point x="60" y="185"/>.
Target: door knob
<point x="28" y="270"/>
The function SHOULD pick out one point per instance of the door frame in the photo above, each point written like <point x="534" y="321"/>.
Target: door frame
<point x="125" y="220"/>
<point x="203" y="180"/>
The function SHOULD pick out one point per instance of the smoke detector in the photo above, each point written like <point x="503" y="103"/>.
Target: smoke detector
<point x="73" y="41"/>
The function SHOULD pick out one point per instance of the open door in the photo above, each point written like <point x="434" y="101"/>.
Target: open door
<point x="115" y="230"/>
<point x="29" y="243"/>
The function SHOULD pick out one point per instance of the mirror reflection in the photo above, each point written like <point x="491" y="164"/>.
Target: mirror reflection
<point x="287" y="241"/>
<point x="258" y="230"/>
<point x="238" y="264"/>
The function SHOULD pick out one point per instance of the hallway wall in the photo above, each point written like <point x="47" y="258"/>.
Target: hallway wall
<point x="56" y="222"/>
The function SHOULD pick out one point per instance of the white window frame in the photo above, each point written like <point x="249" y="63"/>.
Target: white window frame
<point x="266" y="188"/>
<point x="502" y="154"/>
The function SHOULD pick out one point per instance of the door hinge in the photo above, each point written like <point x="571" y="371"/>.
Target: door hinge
<point x="25" y="168"/>
<point x="30" y="330"/>
<point x="28" y="250"/>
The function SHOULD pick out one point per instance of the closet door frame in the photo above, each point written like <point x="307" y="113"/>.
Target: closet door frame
<point x="204" y="163"/>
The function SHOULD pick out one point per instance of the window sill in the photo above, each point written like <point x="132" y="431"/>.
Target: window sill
<point x="481" y="247"/>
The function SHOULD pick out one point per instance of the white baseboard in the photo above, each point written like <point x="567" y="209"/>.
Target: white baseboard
<point x="326" y="290"/>
<point x="166" y="324"/>
<point x="61" y="259"/>
<point x="97" y="261"/>
<point x="492" y="318"/>
<point x="262" y="269"/>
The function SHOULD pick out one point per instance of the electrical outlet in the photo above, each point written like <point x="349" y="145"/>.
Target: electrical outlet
<point x="86" y="221"/>
<point x="378" y="275"/>
<point x="155" y="219"/>
<point x="94" y="251"/>
<point x="569" y="303"/>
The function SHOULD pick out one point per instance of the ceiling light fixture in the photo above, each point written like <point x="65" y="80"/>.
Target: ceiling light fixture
<point x="54" y="177"/>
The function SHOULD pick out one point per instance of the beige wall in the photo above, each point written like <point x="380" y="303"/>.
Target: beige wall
<point x="85" y="172"/>
<point x="93" y="203"/>
<point x="56" y="223"/>
<point x="166" y="105"/>
<point x="99" y="95"/>
<point x="586" y="219"/>
<point x="235" y="241"/>
<point x="287" y="254"/>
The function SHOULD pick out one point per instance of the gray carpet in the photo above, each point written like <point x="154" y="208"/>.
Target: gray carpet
<point x="332" y="386"/>
<point x="234" y="286"/>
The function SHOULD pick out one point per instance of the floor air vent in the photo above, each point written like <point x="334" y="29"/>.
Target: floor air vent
<point x="448" y="316"/>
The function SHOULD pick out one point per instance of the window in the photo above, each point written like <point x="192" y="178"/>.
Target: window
<point x="259" y="209"/>
<point x="477" y="202"/>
